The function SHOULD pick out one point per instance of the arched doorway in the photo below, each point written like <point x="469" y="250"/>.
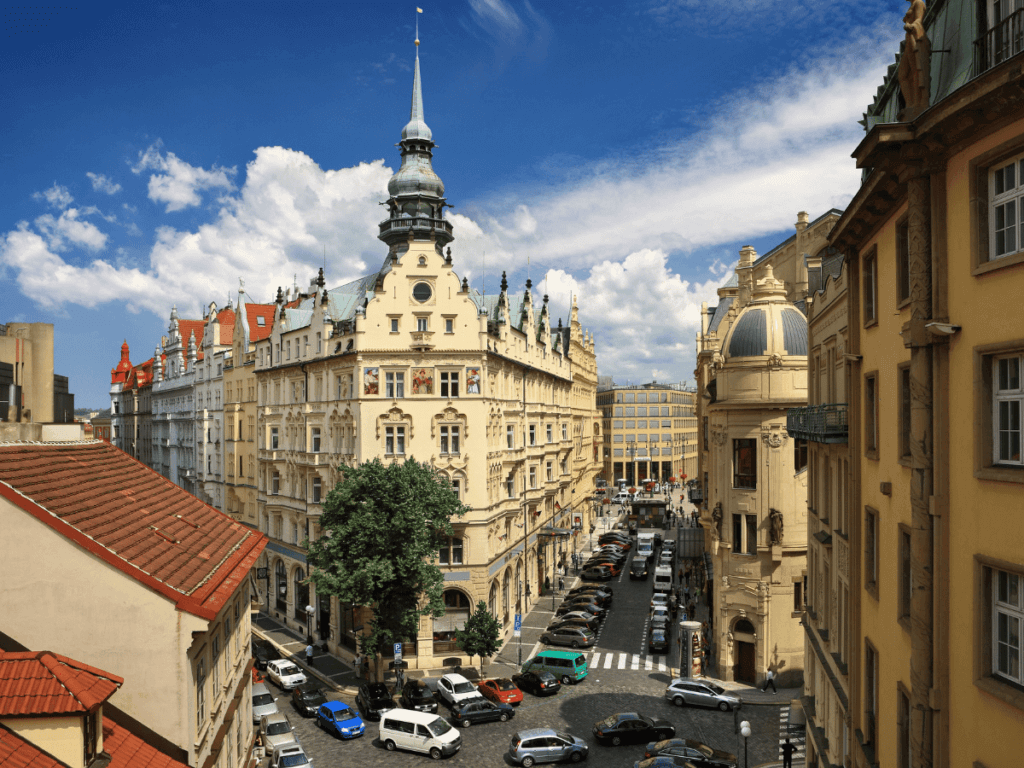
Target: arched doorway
<point x="519" y="588"/>
<point x="744" y="638"/>
<point x="301" y="596"/>
<point x="457" y="607"/>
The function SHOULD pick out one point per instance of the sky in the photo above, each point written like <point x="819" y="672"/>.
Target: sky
<point x="622" y="152"/>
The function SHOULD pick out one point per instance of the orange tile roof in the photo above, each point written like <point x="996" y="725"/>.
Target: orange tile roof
<point x="15" y="752"/>
<point x="46" y="683"/>
<point x="127" y="750"/>
<point x="258" y="332"/>
<point x="226" y="318"/>
<point x="131" y="517"/>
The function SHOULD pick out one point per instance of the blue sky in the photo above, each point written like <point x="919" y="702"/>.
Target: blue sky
<point x="153" y="154"/>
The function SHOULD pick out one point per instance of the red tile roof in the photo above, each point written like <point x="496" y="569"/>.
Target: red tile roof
<point x="258" y="332"/>
<point x="108" y="503"/>
<point x="127" y="750"/>
<point x="15" y="752"/>
<point x="45" y="683"/>
<point x="226" y="318"/>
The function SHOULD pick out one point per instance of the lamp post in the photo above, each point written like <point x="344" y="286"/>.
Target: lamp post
<point x="745" y="732"/>
<point x="309" y="623"/>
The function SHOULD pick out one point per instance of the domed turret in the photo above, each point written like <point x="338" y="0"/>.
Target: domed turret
<point x="769" y="326"/>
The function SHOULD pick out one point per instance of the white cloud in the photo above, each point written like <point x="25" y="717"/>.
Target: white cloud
<point x="497" y="17"/>
<point x="272" y="229"/>
<point x="180" y="183"/>
<point x="57" y="196"/>
<point x="102" y="183"/>
<point x="69" y="228"/>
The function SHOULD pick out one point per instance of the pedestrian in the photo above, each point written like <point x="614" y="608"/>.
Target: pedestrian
<point x="561" y="584"/>
<point x="770" y="680"/>
<point x="309" y="654"/>
<point x="692" y="608"/>
<point x="787" y="754"/>
<point x="357" y="664"/>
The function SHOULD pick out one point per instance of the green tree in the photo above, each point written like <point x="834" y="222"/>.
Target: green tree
<point x="381" y="528"/>
<point x="480" y="636"/>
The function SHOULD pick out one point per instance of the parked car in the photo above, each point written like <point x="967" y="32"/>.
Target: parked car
<point x="373" y="700"/>
<point x="684" y="690"/>
<point x="338" y="719"/>
<point x="632" y="728"/>
<point x="584" y="602"/>
<point x="664" y="761"/>
<point x="592" y="624"/>
<point x="701" y="755"/>
<point x="307" y="698"/>
<point x="263" y="652"/>
<point x="614" y="569"/>
<point x="263" y="702"/>
<point x="669" y="544"/>
<point x="480" y="710"/>
<point x="501" y="690"/>
<point x="276" y="731"/>
<point x="615" y="537"/>
<point x="659" y="600"/>
<point x="416" y="695"/>
<point x="453" y="688"/>
<point x="537" y="683"/>
<point x="546" y="745"/>
<point x="603" y="589"/>
<point x="661" y="617"/>
<point x="290" y="756"/>
<point x="582" y="608"/>
<point x="574" y="637"/>
<point x="586" y="616"/>
<point x="285" y="674"/>
<point x="657" y="642"/>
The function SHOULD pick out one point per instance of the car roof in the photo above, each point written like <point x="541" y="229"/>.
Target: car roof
<point x="335" y="706"/>
<point x="455" y="677"/>
<point x="532" y="733"/>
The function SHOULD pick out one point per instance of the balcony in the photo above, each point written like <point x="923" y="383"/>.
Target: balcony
<point x="420" y="224"/>
<point x="818" y="423"/>
<point x="998" y="44"/>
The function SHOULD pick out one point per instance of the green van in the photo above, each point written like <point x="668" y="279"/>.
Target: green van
<point x="567" y="666"/>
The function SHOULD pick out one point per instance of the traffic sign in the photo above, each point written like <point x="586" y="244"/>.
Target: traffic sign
<point x="398" y="651"/>
<point x="517" y="629"/>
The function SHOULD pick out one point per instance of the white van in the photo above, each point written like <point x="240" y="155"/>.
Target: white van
<point x="662" y="579"/>
<point x="645" y="544"/>
<point x="419" y="732"/>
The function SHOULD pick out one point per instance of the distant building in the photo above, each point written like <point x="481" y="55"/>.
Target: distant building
<point x="30" y="392"/>
<point x="131" y="409"/>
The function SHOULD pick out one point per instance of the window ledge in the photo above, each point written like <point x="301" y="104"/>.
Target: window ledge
<point x="994" y="264"/>
<point x="904" y="461"/>
<point x="1003" y="690"/>
<point x="1003" y="474"/>
<point x="904" y="621"/>
<point x="871" y="588"/>
<point x="871" y="322"/>
<point x="873" y="454"/>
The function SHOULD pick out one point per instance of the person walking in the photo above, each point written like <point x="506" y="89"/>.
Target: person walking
<point x="770" y="680"/>
<point x="787" y="754"/>
<point x="309" y="654"/>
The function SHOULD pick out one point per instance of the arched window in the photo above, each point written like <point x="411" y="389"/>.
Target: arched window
<point x="301" y="595"/>
<point x="505" y="590"/>
<point x="457" y="607"/>
<point x="492" y="599"/>
<point x="743" y="626"/>
<point x="281" y="577"/>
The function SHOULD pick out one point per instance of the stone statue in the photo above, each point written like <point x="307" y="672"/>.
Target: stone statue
<point x="716" y="516"/>
<point x="914" y="71"/>
<point x="776" y="530"/>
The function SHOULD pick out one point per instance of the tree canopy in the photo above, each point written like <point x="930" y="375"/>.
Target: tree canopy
<point x="481" y="635"/>
<point x="381" y="528"/>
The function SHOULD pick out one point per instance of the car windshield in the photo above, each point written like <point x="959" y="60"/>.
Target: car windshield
<point x="262" y="700"/>
<point x="564" y="736"/>
<point x="609" y="722"/>
<point x="504" y="684"/>
<point x="716" y="688"/>
<point x="288" y="669"/>
<point x="276" y="729"/>
<point x="464" y="688"/>
<point x="439" y="727"/>
<point x="343" y="714"/>
<point x="291" y="761"/>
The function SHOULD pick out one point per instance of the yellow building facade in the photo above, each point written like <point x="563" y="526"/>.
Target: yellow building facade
<point x="936" y="270"/>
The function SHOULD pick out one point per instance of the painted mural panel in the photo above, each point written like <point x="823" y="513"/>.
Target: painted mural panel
<point x="423" y="381"/>
<point x="371" y="381"/>
<point x="473" y="381"/>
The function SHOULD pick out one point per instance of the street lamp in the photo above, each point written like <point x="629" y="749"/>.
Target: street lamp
<point x="745" y="732"/>
<point x="309" y="623"/>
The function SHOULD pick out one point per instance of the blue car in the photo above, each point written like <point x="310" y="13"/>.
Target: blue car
<point x="337" y="718"/>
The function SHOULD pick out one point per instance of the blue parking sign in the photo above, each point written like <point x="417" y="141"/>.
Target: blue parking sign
<point x="398" y="651"/>
<point x="518" y="626"/>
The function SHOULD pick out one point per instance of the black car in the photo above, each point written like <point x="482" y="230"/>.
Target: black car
<point x="603" y="589"/>
<point x="307" y="698"/>
<point x="592" y="624"/>
<point x="416" y="695"/>
<point x="374" y="700"/>
<point x="638" y="569"/>
<point x="470" y="711"/>
<point x="263" y="652"/>
<point x="664" y="761"/>
<point x="537" y="683"/>
<point x="597" y="573"/>
<point x="631" y="728"/>
<point x="658" y="641"/>
<point x="701" y="755"/>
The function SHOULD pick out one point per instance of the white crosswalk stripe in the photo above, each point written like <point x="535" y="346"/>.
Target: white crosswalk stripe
<point x="636" y="662"/>
<point x="649" y="663"/>
<point x="608" y="659"/>
<point x="627" y="661"/>
<point x="797" y="735"/>
<point x="622" y="660"/>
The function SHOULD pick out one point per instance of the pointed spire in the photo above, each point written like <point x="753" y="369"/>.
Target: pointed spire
<point x="504" y="283"/>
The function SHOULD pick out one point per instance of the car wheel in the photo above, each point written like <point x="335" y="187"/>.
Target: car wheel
<point x="575" y="644"/>
<point x="389" y="745"/>
<point x="566" y="679"/>
<point x="466" y="723"/>
<point x="527" y="762"/>
<point x="723" y="706"/>
<point x="545" y="640"/>
<point x="435" y="753"/>
<point x="679" y="701"/>
<point x="616" y="740"/>
<point x="575" y="757"/>
<point x="504" y="717"/>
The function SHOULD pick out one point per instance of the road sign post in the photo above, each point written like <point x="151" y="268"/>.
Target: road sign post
<point x="398" y="652"/>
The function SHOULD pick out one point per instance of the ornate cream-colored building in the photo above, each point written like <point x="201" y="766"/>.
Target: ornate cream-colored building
<point x="409" y="362"/>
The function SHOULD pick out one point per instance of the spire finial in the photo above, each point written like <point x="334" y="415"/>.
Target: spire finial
<point x="418" y="12"/>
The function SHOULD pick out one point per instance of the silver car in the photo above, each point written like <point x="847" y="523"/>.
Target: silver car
<point x="574" y="637"/>
<point x="276" y="731"/>
<point x="684" y="690"/>
<point x="546" y="745"/>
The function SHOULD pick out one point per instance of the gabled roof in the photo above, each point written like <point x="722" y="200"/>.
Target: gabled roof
<point x="255" y="311"/>
<point x="187" y="328"/>
<point x="125" y="749"/>
<point x="132" y="518"/>
<point x="44" y="683"/>
<point x="226" y="319"/>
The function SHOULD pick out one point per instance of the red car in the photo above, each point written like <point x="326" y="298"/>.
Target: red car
<point x="501" y="690"/>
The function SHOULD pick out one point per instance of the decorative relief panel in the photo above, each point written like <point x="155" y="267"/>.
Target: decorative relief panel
<point x="842" y="556"/>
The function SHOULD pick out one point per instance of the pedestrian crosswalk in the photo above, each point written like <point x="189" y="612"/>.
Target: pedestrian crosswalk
<point x="797" y="735"/>
<point x="631" y="661"/>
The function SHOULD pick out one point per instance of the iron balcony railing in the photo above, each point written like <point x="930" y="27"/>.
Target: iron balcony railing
<point x="818" y="423"/>
<point x="999" y="43"/>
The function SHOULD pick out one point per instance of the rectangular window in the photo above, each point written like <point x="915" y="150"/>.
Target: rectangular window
<point x="449" y="384"/>
<point x="549" y="471"/>
<point x="510" y="436"/>
<point x="630" y="411"/>
<point x="798" y="596"/>
<point x="275" y="483"/>
<point x="565" y="431"/>
<point x="799" y="454"/>
<point x="421" y="324"/>
<point x="550" y="433"/>
<point x="533" y="434"/>
<point x="314" y="439"/>
<point x="273" y="438"/>
<point x="317" y="488"/>
<point x="871" y="550"/>
<point x="394" y="441"/>
<point x="737" y="533"/>
<point x="394" y="384"/>
<point x="871" y="415"/>
<point x="449" y="440"/>
<point x="215" y="664"/>
<point x="618" y="410"/>
<point x="533" y="477"/>
<point x="902" y="262"/>
<point x="641" y="411"/>
<point x="394" y="325"/>
<point x="510" y="486"/>
<point x="903" y="372"/>
<point x="200" y="694"/>
<point x="1008" y="400"/>
<point x="870" y="693"/>
<point x="457" y="488"/>
<point x="1006" y="200"/>
<point x="744" y="462"/>
<point x="903" y="728"/>
<point x="450" y="552"/>
<point x="905" y="573"/>
<point x="449" y="325"/>
<point x="1007" y="625"/>
<point x="869" y="270"/>
<point x="751" y="542"/>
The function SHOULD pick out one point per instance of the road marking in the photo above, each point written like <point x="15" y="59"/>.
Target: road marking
<point x="608" y="659"/>
<point x="649" y="663"/>
<point x="595" y="659"/>
<point x="636" y="662"/>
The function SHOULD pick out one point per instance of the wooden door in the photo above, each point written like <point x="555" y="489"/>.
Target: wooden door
<point x="745" y="672"/>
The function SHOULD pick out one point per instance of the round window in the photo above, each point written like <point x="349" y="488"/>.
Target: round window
<point x="421" y="292"/>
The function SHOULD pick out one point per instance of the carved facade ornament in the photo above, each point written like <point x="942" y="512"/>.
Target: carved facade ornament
<point x="774" y="439"/>
<point x="718" y="438"/>
<point x="775" y="531"/>
<point x="915" y="64"/>
<point x="717" y="361"/>
<point x="449" y="416"/>
<point x="395" y="416"/>
<point x="775" y="361"/>
<point x="716" y="516"/>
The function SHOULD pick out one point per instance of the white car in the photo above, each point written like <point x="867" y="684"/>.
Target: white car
<point x="285" y="674"/>
<point x="454" y="688"/>
<point x="290" y="756"/>
<point x="660" y="600"/>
